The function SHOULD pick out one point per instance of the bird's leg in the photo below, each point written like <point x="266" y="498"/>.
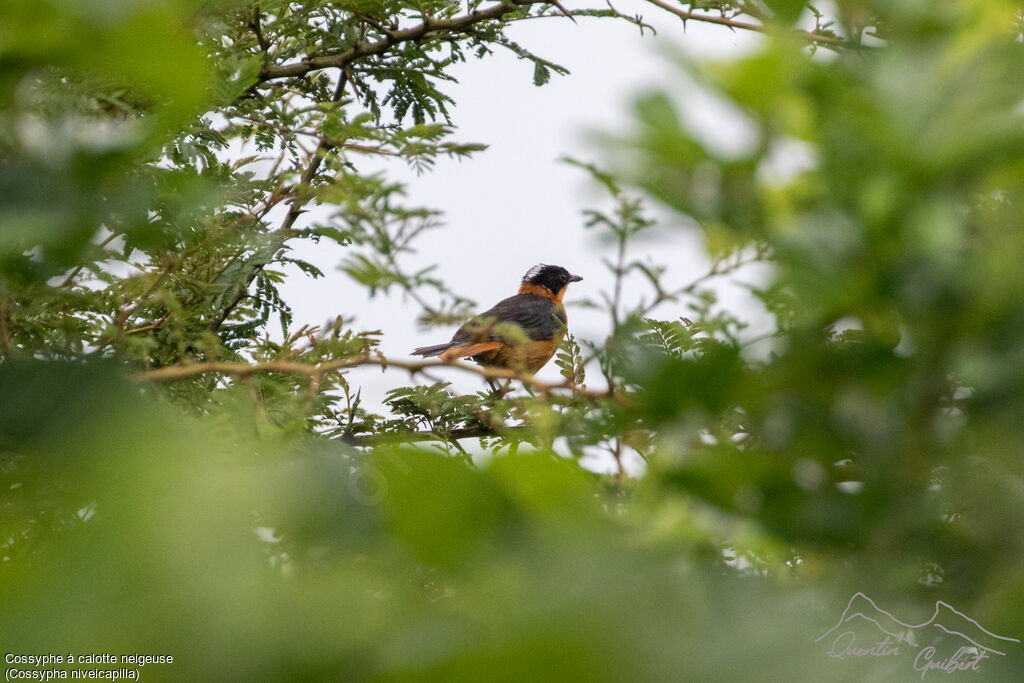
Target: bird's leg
<point x="497" y="389"/>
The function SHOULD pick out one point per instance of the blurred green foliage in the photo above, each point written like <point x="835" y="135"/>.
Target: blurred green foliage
<point x="256" y="521"/>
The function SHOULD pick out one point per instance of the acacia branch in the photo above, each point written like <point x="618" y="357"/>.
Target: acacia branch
<point x="299" y="200"/>
<point x="428" y="29"/>
<point x="432" y="27"/>
<point x="154" y="326"/>
<point x="433" y="435"/>
<point x="318" y="370"/>
<point x="717" y="269"/>
<point x="690" y="15"/>
<point x="125" y="313"/>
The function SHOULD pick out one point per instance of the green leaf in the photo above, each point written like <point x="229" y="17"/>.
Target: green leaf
<point x="786" y="10"/>
<point x="448" y="514"/>
<point x="541" y="74"/>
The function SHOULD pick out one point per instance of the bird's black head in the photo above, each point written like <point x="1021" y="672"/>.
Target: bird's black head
<point x="554" y="278"/>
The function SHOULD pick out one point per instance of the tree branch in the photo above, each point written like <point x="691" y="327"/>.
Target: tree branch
<point x="453" y="435"/>
<point x="688" y="15"/>
<point x="299" y="199"/>
<point x="427" y="29"/>
<point x="717" y="269"/>
<point x="127" y="312"/>
<point x="154" y="326"/>
<point x="185" y="370"/>
<point x="430" y="27"/>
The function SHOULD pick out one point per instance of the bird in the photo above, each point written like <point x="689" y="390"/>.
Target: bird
<point x="521" y="332"/>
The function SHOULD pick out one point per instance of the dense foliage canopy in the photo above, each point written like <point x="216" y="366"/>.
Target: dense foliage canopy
<point x="187" y="470"/>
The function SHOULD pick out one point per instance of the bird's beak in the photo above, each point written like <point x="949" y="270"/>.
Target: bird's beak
<point x="575" y="278"/>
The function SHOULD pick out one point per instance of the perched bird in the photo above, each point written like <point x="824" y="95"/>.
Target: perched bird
<point x="521" y="332"/>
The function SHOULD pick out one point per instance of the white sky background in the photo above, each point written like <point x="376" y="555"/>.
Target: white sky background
<point x="515" y="204"/>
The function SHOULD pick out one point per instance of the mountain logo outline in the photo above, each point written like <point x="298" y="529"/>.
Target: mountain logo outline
<point x="942" y="609"/>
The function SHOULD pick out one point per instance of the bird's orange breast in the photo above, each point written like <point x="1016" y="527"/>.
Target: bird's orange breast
<point x="529" y="357"/>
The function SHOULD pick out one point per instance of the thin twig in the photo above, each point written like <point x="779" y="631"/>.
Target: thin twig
<point x="257" y="400"/>
<point x="155" y="326"/>
<point x="689" y="15"/>
<point x="257" y="30"/>
<point x="125" y="313"/>
<point x="718" y="269"/>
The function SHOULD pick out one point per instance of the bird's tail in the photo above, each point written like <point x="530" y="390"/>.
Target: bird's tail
<point x="455" y="350"/>
<point x="436" y="350"/>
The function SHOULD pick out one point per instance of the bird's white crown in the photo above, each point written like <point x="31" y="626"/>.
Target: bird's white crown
<point x="534" y="272"/>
